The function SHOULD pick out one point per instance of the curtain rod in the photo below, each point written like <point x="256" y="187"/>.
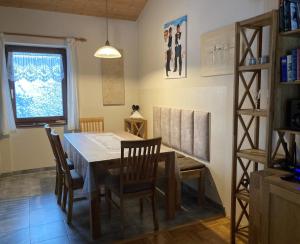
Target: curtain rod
<point x="81" y="39"/>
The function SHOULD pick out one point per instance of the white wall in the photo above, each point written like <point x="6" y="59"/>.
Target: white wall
<point x="28" y="148"/>
<point x="213" y="94"/>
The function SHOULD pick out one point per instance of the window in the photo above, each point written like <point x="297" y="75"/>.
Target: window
<point x="38" y="84"/>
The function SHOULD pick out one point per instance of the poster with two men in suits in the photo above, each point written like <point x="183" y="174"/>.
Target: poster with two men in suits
<point x="175" y="48"/>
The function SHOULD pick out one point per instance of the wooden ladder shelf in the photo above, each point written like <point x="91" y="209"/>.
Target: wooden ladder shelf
<point x="248" y="112"/>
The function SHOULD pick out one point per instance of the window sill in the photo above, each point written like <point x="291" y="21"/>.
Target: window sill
<point x="39" y="124"/>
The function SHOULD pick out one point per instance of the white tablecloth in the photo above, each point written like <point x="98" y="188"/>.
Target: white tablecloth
<point x="105" y="142"/>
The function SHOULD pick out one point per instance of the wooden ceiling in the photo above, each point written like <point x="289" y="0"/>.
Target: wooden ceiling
<point x="117" y="9"/>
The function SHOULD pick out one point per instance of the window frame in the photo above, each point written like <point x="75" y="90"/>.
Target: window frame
<point x="39" y="121"/>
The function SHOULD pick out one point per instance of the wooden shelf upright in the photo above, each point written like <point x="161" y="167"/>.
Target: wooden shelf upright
<point x="249" y="79"/>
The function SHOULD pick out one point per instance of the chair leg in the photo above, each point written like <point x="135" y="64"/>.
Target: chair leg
<point x="59" y="188"/>
<point x="56" y="184"/>
<point x="122" y="214"/>
<point x="154" y="211"/>
<point x="201" y="189"/>
<point x="108" y="200"/>
<point x="70" y="206"/>
<point x="141" y="206"/>
<point x="178" y="195"/>
<point x="64" y="203"/>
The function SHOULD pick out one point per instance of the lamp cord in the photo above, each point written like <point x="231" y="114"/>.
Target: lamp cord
<point x="106" y="22"/>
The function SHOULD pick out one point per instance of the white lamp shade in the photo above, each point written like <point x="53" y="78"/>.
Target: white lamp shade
<point x="107" y="51"/>
<point x="136" y="115"/>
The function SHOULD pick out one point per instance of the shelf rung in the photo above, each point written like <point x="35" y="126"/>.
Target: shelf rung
<point x="255" y="67"/>
<point x="294" y="33"/>
<point x="295" y="82"/>
<point x="295" y="132"/>
<point x="257" y="155"/>
<point x="258" y="21"/>
<point x="253" y="112"/>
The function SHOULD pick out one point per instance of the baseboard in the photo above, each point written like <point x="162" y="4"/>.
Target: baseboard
<point x="26" y="171"/>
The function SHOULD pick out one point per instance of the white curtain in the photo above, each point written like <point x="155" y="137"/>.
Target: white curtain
<point x="7" y="119"/>
<point x="72" y="94"/>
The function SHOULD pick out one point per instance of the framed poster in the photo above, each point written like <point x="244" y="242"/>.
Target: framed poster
<point x="175" y="39"/>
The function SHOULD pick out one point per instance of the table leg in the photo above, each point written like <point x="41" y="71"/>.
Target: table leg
<point x="95" y="224"/>
<point x="171" y="186"/>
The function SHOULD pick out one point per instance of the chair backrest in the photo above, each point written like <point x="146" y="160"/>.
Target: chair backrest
<point x="139" y="161"/>
<point x="54" y="151"/>
<point x="61" y="154"/>
<point x="92" y="124"/>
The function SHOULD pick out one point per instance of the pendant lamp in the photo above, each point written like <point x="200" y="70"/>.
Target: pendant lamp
<point x="107" y="51"/>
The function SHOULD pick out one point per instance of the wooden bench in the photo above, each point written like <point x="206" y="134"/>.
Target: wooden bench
<point x="187" y="169"/>
<point x="186" y="131"/>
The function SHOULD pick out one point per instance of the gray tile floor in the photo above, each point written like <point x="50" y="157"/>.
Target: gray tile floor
<point x="29" y="214"/>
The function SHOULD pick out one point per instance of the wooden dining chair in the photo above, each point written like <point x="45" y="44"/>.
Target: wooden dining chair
<point x="72" y="181"/>
<point x="92" y="124"/>
<point x="59" y="173"/>
<point x="137" y="177"/>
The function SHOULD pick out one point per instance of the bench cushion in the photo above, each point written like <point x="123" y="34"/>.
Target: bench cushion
<point x="183" y="163"/>
<point x="187" y="163"/>
<point x="179" y="155"/>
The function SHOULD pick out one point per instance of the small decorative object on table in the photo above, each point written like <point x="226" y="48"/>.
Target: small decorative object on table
<point x="135" y="112"/>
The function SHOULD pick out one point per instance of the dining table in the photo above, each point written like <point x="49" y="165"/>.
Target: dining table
<point x="95" y="153"/>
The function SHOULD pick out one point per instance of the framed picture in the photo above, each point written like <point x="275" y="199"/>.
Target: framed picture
<point x="217" y="51"/>
<point x="175" y="39"/>
<point x="113" y="84"/>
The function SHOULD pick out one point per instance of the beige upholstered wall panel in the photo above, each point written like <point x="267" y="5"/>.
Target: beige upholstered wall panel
<point x="165" y="114"/>
<point x="156" y="122"/>
<point x="201" y="135"/>
<point x="187" y="131"/>
<point x="175" y="127"/>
